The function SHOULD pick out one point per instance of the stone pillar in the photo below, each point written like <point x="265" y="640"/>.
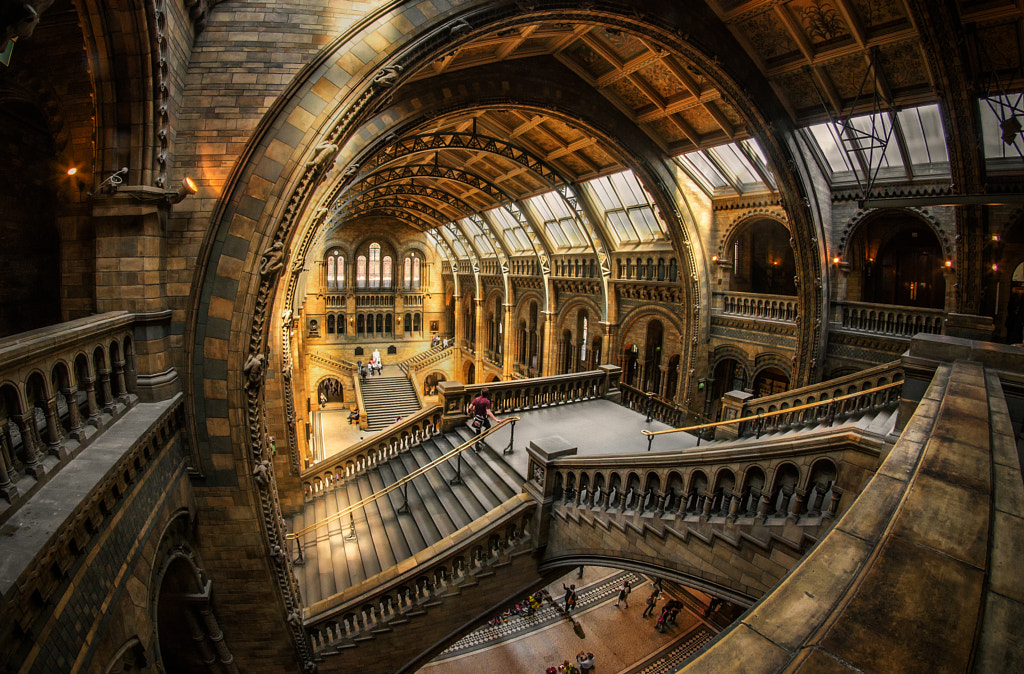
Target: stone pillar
<point x="119" y="379"/>
<point x="92" y="404"/>
<point x="540" y="480"/>
<point x="75" y="428"/>
<point x="199" y="639"/>
<point x="762" y="507"/>
<point x="607" y="350"/>
<point x="105" y="393"/>
<point x="26" y="425"/>
<point x="480" y="343"/>
<point x="217" y="637"/>
<point x="548" y="364"/>
<point x="612" y="377"/>
<point x="799" y="499"/>
<point x="508" y="358"/>
<point x="8" y="489"/>
<point x="732" y="408"/>
<point x="457" y="317"/>
<point x="662" y="381"/>
<point x="54" y="437"/>
<point x="453" y="399"/>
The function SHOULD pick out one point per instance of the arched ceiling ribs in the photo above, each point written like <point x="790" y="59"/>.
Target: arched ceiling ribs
<point x="399" y="189"/>
<point x="439" y="218"/>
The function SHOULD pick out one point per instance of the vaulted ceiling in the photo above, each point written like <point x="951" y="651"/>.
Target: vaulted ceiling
<point x="820" y="58"/>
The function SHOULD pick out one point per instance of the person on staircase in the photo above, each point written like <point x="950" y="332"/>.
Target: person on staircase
<point x="482" y="414"/>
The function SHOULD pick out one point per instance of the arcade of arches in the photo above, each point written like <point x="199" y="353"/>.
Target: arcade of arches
<point x="712" y="195"/>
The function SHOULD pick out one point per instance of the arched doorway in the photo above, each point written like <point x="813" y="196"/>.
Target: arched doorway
<point x="895" y="258"/>
<point x="330" y="390"/>
<point x="762" y="259"/>
<point x="630" y="364"/>
<point x="770" y="381"/>
<point x="729" y="375"/>
<point x="470" y="373"/>
<point x="431" y="381"/>
<point x="652" y="356"/>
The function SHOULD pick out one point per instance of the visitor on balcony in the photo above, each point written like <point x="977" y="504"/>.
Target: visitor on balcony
<point x="353" y="415"/>
<point x="482" y="414"/>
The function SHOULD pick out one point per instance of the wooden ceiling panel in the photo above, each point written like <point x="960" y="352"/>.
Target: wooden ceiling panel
<point x="903" y="68"/>
<point x="821" y="23"/>
<point x="800" y="93"/>
<point x="880" y="16"/>
<point x="587" y="60"/>
<point x="629" y="94"/>
<point x="626" y="46"/>
<point x="663" y="82"/>
<point x="665" y="129"/>
<point x="700" y="121"/>
<point x="847" y="75"/>
<point x="769" y="38"/>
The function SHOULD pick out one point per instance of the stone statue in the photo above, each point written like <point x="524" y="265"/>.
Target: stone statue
<point x="254" y="370"/>
<point x="324" y="151"/>
<point x="386" y="77"/>
<point x="273" y="260"/>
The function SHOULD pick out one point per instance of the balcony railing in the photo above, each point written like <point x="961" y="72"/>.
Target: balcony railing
<point x="62" y="384"/>
<point x="886" y="319"/>
<point x="752" y="305"/>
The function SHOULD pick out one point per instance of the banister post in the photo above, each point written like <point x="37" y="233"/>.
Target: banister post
<point x="540" y="480"/>
<point x="612" y="376"/>
<point x="732" y="408"/>
<point x="453" y="398"/>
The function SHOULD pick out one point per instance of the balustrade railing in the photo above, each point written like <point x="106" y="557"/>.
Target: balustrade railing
<point x="372" y="300"/>
<point x="425" y="358"/>
<point x="655" y="407"/>
<point x="376" y="449"/>
<point x="502" y="534"/>
<point x="752" y="305"/>
<point x="888" y="320"/>
<point x="825" y="390"/>
<point x="526" y="394"/>
<point x="61" y="385"/>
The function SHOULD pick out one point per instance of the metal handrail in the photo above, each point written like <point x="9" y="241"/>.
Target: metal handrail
<point x="457" y="451"/>
<point x="760" y="416"/>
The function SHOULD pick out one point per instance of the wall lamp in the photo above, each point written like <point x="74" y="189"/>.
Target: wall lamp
<point x="113" y="181"/>
<point x="188" y="186"/>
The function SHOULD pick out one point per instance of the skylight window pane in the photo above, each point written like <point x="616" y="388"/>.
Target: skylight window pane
<point x="513" y="234"/>
<point x="922" y="129"/>
<point x="557" y="205"/>
<point x="646" y="222"/>
<point x="555" y="233"/>
<point x="836" y="157"/>
<point x="706" y="169"/>
<point x="629" y="189"/>
<point x="602" y="189"/>
<point x="620" y="225"/>
<point x="694" y="174"/>
<point x="484" y="244"/>
<point x="879" y="125"/>
<point x="737" y="164"/>
<point x="992" y="110"/>
<point x="572" y="231"/>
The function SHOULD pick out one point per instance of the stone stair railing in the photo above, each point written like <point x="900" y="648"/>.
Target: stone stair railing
<point x="423" y="359"/>
<point x="656" y="407"/>
<point x="887" y="320"/>
<point x="403" y="598"/>
<point x="921" y="572"/>
<point x="62" y="386"/>
<point x="825" y="390"/>
<point x="331" y="361"/>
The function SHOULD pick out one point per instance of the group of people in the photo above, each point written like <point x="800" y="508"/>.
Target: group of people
<point x="525" y="608"/>
<point x="443" y="342"/>
<point x="375" y="366"/>
<point x="584" y="663"/>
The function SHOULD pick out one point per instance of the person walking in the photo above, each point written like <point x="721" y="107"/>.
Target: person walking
<point x="482" y="414"/>
<point x="570" y="597"/>
<point x="585" y="661"/>
<point x="652" y="602"/>
<point x="624" y="591"/>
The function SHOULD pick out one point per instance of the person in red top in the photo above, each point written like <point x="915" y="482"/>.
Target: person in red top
<point x="481" y="410"/>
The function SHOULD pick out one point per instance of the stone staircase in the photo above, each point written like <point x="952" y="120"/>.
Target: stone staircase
<point x="346" y="553"/>
<point x="388" y="396"/>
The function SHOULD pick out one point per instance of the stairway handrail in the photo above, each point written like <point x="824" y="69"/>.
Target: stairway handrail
<point x="760" y="416"/>
<point x="405" y="480"/>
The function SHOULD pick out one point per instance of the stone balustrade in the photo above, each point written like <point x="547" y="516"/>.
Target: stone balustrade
<point x="655" y="407"/>
<point x="374" y="299"/>
<point x="325" y="475"/>
<point x="393" y="597"/>
<point x="886" y="319"/>
<point x="61" y="386"/>
<point x="754" y="305"/>
<point x="525" y="394"/>
<point x="425" y="358"/>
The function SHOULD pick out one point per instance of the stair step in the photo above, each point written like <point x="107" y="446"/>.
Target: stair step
<point x="489" y="490"/>
<point x="472" y="493"/>
<point x="428" y="486"/>
<point x="375" y="523"/>
<point x="496" y="462"/>
<point x="361" y="554"/>
<point x="399" y="528"/>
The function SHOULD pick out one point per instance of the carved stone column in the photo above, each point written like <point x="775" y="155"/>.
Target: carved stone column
<point x="548" y="364"/>
<point x="798" y="502"/>
<point x="508" y="358"/>
<point x="108" y="397"/>
<point x="480" y="339"/>
<point x="8" y="489"/>
<point x="119" y="379"/>
<point x="26" y="425"/>
<point x="92" y="404"/>
<point x="54" y="437"/>
<point x="75" y="428"/>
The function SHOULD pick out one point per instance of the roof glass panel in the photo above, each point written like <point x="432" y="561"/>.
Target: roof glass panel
<point x="828" y="141"/>
<point x="453" y="241"/>
<point x="710" y="174"/>
<point x="923" y="132"/>
<point x="555" y="233"/>
<point x="996" y="127"/>
<point x="873" y="129"/>
<point x="435" y="239"/>
<point x="734" y="161"/>
<point x="512" y="232"/>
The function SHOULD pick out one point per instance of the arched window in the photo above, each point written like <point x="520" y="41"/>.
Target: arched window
<point x="341" y="324"/>
<point x="335" y="269"/>
<point x="361" y="271"/>
<point x="386" y="275"/>
<point x="374" y="271"/>
<point x="330" y="324"/>
<point x="407" y="276"/>
<point x="415" y="322"/>
<point x="408" y="316"/>
<point x="584" y="333"/>
<point x="415" y="273"/>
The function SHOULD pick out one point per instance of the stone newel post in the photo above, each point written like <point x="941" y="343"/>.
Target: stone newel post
<point x="540" y="479"/>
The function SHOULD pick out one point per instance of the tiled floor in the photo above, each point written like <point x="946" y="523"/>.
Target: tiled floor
<point x="619" y="638"/>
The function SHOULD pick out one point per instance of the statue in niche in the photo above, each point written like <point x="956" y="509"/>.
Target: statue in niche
<point x="324" y="152"/>
<point x="254" y="371"/>
<point x="272" y="261"/>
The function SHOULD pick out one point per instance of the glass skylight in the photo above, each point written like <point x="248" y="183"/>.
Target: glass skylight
<point x="513" y="233"/>
<point x="997" y="113"/>
<point x="482" y="241"/>
<point x="559" y="223"/>
<point x="626" y="206"/>
<point x="738" y="168"/>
